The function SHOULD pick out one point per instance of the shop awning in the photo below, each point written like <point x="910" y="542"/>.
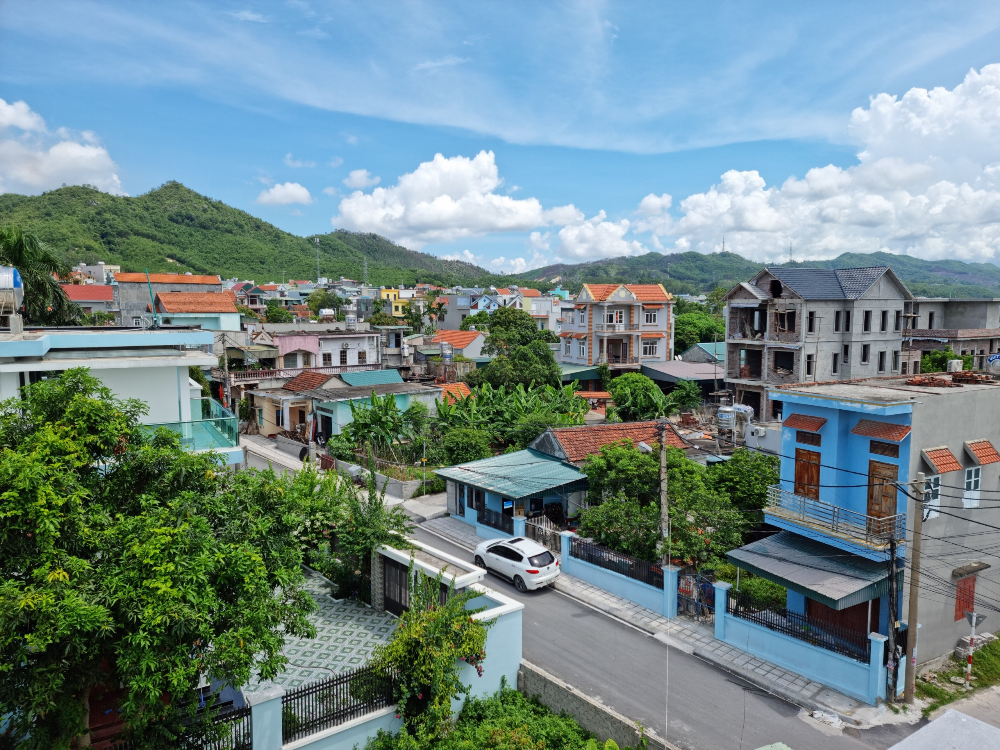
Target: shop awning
<point x="823" y="573"/>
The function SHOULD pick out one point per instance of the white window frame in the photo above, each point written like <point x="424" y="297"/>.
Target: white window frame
<point x="137" y="322"/>
<point x="279" y="416"/>
<point x="582" y="349"/>
<point x="932" y="497"/>
<point x="973" y="480"/>
<point x="650" y="317"/>
<point x="614" y="317"/>
<point x="650" y="348"/>
<point x="568" y="348"/>
<point x="582" y="319"/>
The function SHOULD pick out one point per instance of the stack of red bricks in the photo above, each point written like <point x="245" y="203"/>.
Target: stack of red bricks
<point x="971" y="378"/>
<point x="933" y="382"/>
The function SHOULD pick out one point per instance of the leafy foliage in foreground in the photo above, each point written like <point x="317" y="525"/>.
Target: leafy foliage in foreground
<point x="124" y="559"/>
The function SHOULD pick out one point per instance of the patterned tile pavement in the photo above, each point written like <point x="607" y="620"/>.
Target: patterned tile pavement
<point x="697" y="637"/>
<point x="346" y="635"/>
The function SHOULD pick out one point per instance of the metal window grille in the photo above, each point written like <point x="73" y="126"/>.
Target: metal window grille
<point x="626" y="565"/>
<point x="495" y="520"/>
<point x="834" y="638"/>
<point x="313" y="708"/>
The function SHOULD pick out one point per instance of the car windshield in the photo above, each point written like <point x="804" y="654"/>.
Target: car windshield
<point x="540" y="561"/>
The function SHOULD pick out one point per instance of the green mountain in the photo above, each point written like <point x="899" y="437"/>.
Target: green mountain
<point x="693" y="273"/>
<point x="174" y="229"/>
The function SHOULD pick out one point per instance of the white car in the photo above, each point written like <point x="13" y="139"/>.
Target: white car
<point x="524" y="562"/>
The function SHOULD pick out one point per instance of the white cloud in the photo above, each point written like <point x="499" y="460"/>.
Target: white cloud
<point x="539" y="242"/>
<point x="359" y="179"/>
<point x="597" y="238"/>
<point x="444" y="200"/>
<point x="283" y="194"/>
<point x="928" y="184"/>
<point x="444" y="62"/>
<point x="465" y="255"/>
<point x="290" y="162"/>
<point x="336" y="162"/>
<point x="351" y="139"/>
<point x="248" y="15"/>
<point x="37" y="160"/>
<point x="330" y="191"/>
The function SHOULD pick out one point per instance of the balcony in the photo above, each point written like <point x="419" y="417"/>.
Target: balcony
<point x="212" y="427"/>
<point x="835" y="521"/>
<point x="615" y="327"/>
<point x="255" y="376"/>
<point x="619" y="360"/>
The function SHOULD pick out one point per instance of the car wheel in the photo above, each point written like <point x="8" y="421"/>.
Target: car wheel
<point x="480" y="563"/>
<point x="519" y="584"/>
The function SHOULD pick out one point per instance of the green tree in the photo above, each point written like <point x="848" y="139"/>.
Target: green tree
<point x="625" y="525"/>
<point x="604" y="373"/>
<point x="380" y="318"/>
<point x="322" y="299"/>
<point x="481" y="320"/>
<point x="414" y="317"/>
<point x="621" y="468"/>
<point x="531" y="363"/>
<point x="745" y="477"/>
<point x="937" y="361"/>
<point x="437" y="311"/>
<point x="637" y="397"/>
<point x="509" y="329"/>
<point x="276" y="313"/>
<point x="124" y="559"/>
<point x="462" y="445"/>
<point x="45" y="302"/>
<point x="686" y="394"/>
<point x="697" y="327"/>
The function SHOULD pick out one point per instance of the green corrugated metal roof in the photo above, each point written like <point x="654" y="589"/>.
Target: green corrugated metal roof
<point x="371" y="377"/>
<point x="821" y="572"/>
<point x="518" y="474"/>
<point x="716" y="349"/>
<point x="578" y="372"/>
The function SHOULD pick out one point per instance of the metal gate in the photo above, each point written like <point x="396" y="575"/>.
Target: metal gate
<point x="542" y="530"/>
<point x="396" y="586"/>
<point x="696" y="597"/>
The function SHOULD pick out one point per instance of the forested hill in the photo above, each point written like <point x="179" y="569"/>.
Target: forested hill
<point x="174" y="229"/>
<point x="693" y="273"/>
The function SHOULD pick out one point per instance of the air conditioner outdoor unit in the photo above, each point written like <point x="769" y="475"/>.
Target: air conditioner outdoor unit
<point x="345" y="345"/>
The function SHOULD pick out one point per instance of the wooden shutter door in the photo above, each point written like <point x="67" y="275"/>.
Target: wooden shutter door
<point x="965" y="597"/>
<point x="807" y="473"/>
<point x="882" y="489"/>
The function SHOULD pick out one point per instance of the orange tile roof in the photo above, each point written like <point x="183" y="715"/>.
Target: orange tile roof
<point x="803" y="422"/>
<point x="268" y="287"/>
<point x="649" y="292"/>
<point x="232" y="294"/>
<point x="503" y="291"/>
<point x="455" y="391"/>
<point x="593" y="394"/>
<point x="307" y="381"/>
<point x="580" y="442"/>
<point x="942" y="460"/>
<point x="881" y="430"/>
<point x="983" y="451"/>
<point x="195" y="302"/>
<point x="530" y="293"/>
<point x="458" y="339"/>
<point x="601" y="292"/>
<point x="654" y="335"/>
<point x="166" y="278"/>
<point x="89" y="292"/>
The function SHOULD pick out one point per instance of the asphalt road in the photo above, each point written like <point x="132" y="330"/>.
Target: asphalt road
<point x="690" y="702"/>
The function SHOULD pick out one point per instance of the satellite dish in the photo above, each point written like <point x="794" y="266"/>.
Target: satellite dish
<point x="993" y="364"/>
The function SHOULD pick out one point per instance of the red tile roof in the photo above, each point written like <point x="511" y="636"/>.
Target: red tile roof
<point x="653" y="335"/>
<point x="803" y="422"/>
<point x="307" y="381"/>
<point x="942" y="460"/>
<point x="881" y="430"/>
<point x="983" y="451"/>
<point x="580" y="442"/>
<point x="458" y="339"/>
<point x="455" y="391"/>
<point x="593" y="394"/>
<point x="530" y="293"/>
<point x="649" y="292"/>
<point x="195" y="302"/>
<point x="268" y="287"/>
<point x="232" y="294"/>
<point x="503" y="291"/>
<point x="89" y="292"/>
<point x="601" y="292"/>
<point x="166" y="278"/>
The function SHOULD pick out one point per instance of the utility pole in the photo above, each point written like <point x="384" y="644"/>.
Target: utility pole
<point x="890" y="680"/>
<point x="225" y="370"/>
<point x="664" y="514"/>
<point x="911" y="617"/>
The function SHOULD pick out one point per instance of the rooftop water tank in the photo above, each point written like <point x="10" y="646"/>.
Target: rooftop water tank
<point x="11" y="290"/>
<point x="447" y="352"/>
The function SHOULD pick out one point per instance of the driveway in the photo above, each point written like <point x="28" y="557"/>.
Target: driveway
<point x="691" y="703"/>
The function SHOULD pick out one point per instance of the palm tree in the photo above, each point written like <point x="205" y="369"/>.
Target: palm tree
<point x="437" y="310"/>
<point x="45" y="302"/>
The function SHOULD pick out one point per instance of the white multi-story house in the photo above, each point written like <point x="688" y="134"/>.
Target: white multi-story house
<point x="624" y="325"/>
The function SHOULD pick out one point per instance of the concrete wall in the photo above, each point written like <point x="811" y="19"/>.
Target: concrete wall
<point x="595" y="717"/>
<point x="164" y="389"/>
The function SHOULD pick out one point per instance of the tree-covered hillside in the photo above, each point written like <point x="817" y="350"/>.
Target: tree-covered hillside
<point x="175" y="229"/>
<point x="693" y="273"/>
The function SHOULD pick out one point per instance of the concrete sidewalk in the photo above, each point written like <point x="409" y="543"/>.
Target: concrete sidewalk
<point x="690" y="637"/>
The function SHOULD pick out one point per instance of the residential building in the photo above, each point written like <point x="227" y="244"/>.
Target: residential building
<point x="546" y="310"/>
<point x="150" y="365"/>
<point x="468" y="344"/>
<point x="213" y="311"/>
<point x="101" y="272"/>
<point x="394" y="301"/>
<point x="135" y="292"/>
<point x="461" y="306"/>
<point x="791" y="325"/>
<point x="93" y="298"/>
<point x="575" y="444"/>
<point x="850" y="457"/>
<point x="624" y="325"/>
<point x="967" y="326"/>
<point x="707" y="353"/>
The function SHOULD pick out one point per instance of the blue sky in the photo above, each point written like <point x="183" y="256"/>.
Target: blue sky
<point x="568" y="131"/>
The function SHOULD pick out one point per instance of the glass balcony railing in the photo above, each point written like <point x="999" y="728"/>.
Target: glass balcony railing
<point x="212" y="427"/>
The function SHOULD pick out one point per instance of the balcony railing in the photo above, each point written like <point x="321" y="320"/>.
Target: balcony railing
<point x="253" y="376"/>
<point x="619" y="360"/>
<point x="615" y="327"/>
<point x="212" y="427"/>
<point x="834" y="520"/>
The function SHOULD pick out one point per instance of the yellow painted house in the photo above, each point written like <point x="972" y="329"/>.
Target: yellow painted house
<point x="398" y="304"/>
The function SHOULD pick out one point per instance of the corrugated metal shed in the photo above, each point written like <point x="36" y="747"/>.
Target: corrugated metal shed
<point x="514" y="475"/>
<point x="821" y="572"/>
<point x="371" y="377"/>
